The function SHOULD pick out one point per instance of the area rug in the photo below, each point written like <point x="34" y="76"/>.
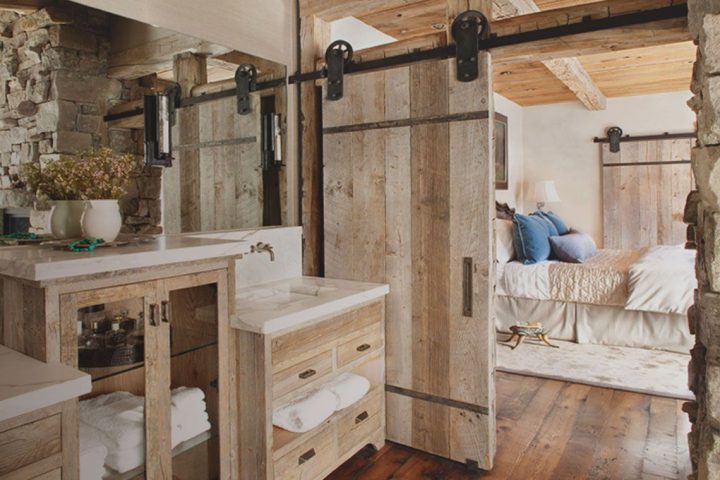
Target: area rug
<point x="624" y="368"/>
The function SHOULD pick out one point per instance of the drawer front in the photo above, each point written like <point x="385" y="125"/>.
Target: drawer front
<point x="53" y="475"/>
<point x="325" y="334"/>
<point x="304" y="373"/>
<point x="29" y="443"/>
<point x="360" y="346"/>
<point x="311" y="458"/>
<point x="359" y="421"/>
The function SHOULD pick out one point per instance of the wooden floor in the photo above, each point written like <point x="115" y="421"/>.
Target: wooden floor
<point x="556" y="430"/>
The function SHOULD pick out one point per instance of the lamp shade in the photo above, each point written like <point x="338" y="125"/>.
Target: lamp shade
<point x="545" y="192"/>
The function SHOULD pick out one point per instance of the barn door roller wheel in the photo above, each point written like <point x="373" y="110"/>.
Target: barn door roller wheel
<point x="467" y="30"/>
<point x="337" y="56"/>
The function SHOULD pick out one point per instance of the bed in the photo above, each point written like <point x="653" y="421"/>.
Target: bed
<point x="636" y="298"/>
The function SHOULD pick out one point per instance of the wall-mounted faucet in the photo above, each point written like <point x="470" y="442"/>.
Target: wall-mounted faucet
<point x="263" y="247"/>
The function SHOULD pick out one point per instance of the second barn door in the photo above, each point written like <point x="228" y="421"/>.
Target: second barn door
<point x="408" y="200"/>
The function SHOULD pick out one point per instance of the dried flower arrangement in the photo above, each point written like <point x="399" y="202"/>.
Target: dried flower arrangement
<point x="102" y="174"/>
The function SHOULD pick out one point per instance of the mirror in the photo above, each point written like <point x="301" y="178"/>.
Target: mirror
<point x="218" y="167"/>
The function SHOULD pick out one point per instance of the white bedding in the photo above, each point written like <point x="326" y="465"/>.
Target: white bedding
<point x="524" y="281"/>
<point x="662" y="280"/>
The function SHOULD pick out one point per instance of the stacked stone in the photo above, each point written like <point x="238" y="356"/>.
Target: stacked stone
<point x="702" y="213"/>
<point x="53" y="87"/>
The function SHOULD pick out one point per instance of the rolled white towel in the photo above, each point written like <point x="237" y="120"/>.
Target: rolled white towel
<point x="92" y="453"/>
<point x="348" y="388"/>
<point x="121" y="422"/>
<point x="103" y="400"/>
<point x="307" y="412"/>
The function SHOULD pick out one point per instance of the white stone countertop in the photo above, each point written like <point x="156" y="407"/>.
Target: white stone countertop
<point x="38" y="262"/>
<point x="27" y="384"/>
<point x="282" y="305"/>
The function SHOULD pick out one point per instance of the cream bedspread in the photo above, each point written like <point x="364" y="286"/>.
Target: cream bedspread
<point x="601" y="280"/>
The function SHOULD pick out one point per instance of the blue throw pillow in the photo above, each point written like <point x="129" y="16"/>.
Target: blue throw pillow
<point x="560" y="225"/>
<point x="530" y="239"/>
<point x="574" y="247"/>
<point x="552" y="230"/>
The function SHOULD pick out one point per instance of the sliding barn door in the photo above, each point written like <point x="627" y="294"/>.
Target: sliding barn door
<point x="645" y="185"/>
<point x="408" y="191"/>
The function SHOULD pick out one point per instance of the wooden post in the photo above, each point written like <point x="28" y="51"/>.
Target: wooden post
<point x="314" y="38"/>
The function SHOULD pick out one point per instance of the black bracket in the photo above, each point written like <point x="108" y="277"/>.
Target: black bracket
<point x="337" y="56"/>
<point x="614" y="134"/>
<point x="173" y="92"/>
<point x="246" y="82"/>
<point x="467" y="30"/>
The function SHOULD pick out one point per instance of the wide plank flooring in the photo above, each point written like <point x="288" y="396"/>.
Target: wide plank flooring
<point x="556" y="430"/>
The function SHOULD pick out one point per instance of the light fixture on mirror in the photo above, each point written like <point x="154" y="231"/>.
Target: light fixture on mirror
<point x="159" y="112"/>
<point x="545" y="192"/>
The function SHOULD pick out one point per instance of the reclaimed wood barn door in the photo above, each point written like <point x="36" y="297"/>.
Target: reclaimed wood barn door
<point x="645" y="185"/>
<point x="409" y="200"/>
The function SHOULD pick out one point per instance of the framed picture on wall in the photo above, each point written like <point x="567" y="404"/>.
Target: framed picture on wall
<point x="501" y="152"/>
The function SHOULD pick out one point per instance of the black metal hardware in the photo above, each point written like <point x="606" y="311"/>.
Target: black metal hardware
<point x="214" y="384"/>
<point x="174" y="93"/>
<point x="165" y="311"/>
<point x="647" y="164"/>
<point x="363" y="347"/>
<point x="644" y="138"/>
<point x="467" y="292"/>
<point x="585" y="26"/>
<point x="362" y="417"/>
<point x="307" y="374"/>
<point x="338" y="54"/>
<point x="614" y="134"/>
<point x="467" y="29"/>
<point x="153" y="315"/>
<point x="246" y="82"/>
<point x="306" y="456"/>
<point x="158" y="110"/>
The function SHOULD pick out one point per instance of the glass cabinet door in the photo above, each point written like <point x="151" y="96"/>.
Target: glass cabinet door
<point x="119" y="340"/>
<point x="191" y="306"/>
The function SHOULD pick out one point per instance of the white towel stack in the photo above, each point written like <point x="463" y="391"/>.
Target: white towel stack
<point x="92" y="453"/>
<point x="118" y="421"/>
<point x="306" y="413"/>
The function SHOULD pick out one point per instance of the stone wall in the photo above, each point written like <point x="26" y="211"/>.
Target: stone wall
<point x="54" y="92"/>
<point x="702" y="213"/>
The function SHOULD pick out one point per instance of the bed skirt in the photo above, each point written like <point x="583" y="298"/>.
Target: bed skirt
<point x="604" y="325"/>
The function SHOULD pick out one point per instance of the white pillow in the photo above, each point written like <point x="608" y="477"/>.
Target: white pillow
<point x="504" y="250"/>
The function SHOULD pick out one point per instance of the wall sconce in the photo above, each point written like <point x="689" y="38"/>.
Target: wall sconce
<point x="159" y="111"/>
<point x="614" y="134"/>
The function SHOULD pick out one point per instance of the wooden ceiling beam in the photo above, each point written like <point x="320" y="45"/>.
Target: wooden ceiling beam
<point x="568" y="70"/>
<point x="157" y="55"/>
<point x="329" y="10"/>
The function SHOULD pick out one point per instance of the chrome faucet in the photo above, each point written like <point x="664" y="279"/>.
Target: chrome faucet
<point x="263" y="247"/>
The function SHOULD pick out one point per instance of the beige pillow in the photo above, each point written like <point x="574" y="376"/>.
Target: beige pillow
<point x="504" y="250"/>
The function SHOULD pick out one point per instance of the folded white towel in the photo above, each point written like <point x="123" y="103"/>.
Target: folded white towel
<point x="348" y="388"/>
<point x="126" y="459"/>
<point x="121" y="422"/>
<point x="103" y="400"/>
<point x="193" y="427"/>
<point x="92" y="453"/>
<point x="186" y="395"/>
<point x="307" y="412"/>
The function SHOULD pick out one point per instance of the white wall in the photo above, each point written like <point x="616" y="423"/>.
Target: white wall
<point x="513" y="196"/>
<point x="559" y="146"/>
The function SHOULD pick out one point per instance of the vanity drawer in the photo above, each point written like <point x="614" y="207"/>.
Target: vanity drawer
<point x="29" y="443"/>
<point x="305" y="342"/>
<point x="310" y="458"/>
<point x="360" y="346"/>
<point x="301" y="374"/>
<point x="359" y="421"/>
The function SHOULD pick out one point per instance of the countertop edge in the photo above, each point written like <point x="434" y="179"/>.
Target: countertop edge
<point x="44" y="397"/>
<point x="312" y="314"/>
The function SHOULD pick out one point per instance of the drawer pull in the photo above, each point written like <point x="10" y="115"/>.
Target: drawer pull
<point x="363" y="347"/>
<point x="306" y="456"/>
<point x="362" y="417"/>
<point x="307" y="373"/>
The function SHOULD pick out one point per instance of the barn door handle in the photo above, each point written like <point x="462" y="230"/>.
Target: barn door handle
<point x="154" y="314"/>
<point x="363" y="347"/>
<point x="467" y="287"/>
<point x="307" y="373"/>
<point x="306" y="456"/>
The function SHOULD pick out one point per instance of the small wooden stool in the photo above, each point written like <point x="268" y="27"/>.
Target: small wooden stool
<point x="520" y="331"/>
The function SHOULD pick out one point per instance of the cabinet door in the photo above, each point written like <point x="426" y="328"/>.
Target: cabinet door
<point x="195" y="308"/>
<point x="116" y="335"/>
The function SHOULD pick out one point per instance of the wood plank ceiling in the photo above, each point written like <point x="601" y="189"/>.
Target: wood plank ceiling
<point x="640" y="71"/>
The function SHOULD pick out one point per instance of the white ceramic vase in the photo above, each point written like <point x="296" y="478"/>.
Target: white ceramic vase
<point x="102" y="219"/>
<point x="65" y="218"/>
